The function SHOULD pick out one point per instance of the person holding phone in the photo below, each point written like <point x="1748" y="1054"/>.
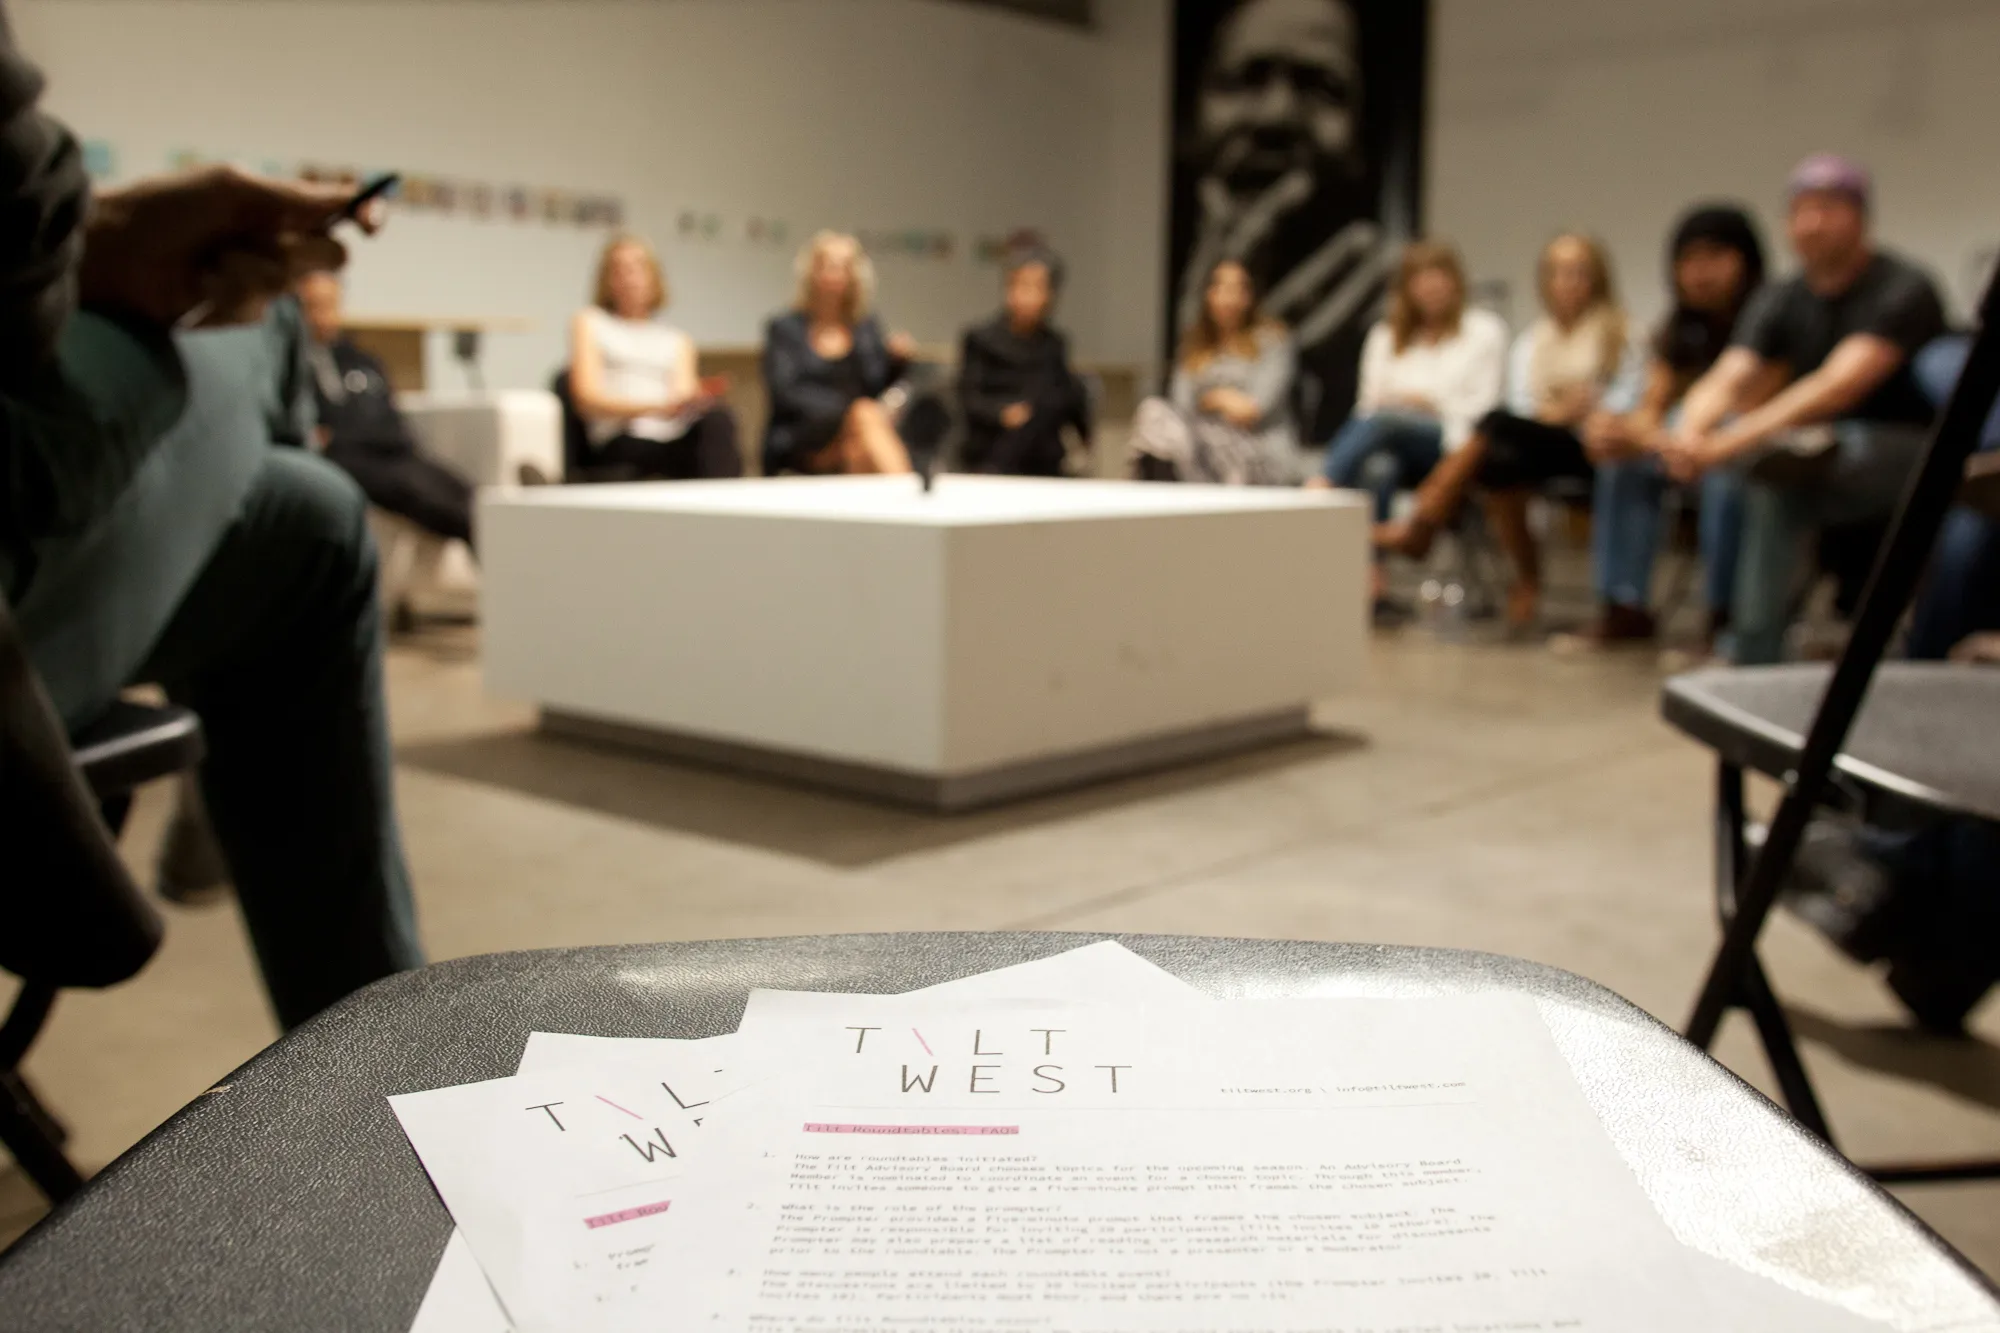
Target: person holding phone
<point x="632" y="378"/>
<point x="149" y="533"/>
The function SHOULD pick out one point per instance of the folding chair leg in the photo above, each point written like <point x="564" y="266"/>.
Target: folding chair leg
<point x="1782" y="1050"/>
<point x="1752" y="991"/>
<point x="35" y="1138"/>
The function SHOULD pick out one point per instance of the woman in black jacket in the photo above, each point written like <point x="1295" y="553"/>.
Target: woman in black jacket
<point x="827" y="367"/>
<point x="1015" y="385"/>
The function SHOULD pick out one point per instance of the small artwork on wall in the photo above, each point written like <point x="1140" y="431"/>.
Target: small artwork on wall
<point x="766" y="232"/>
<point x="419" y="192"/>
<point x="995" y="249"/>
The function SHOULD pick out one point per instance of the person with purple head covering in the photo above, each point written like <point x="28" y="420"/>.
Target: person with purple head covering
<point x="1815" y="400"/>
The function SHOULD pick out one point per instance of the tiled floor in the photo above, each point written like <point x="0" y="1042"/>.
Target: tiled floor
<point x="1480" y="796"/>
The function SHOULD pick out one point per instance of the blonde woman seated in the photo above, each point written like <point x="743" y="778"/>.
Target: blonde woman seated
<point x="1559" y="373"/>
<point x="1429" y="373"/>
<point x="833" y="376"/>
<point x="632" y="379"/>
<point x="1227" y="417"/>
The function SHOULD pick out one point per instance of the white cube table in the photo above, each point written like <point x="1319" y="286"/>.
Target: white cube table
<point x="993" y="638"/>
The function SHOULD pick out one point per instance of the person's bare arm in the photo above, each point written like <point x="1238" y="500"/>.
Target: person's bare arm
<point x="586" y="379"/>
<point x="1645" y="420"/>
<point x="1856" y="367"/>
<point x="686" y="387"/>
<point x="1723" y="390"/>
<point x="1611" y="435"/>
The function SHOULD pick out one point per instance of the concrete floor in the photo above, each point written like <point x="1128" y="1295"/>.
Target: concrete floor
<point x="1472" y="795"/>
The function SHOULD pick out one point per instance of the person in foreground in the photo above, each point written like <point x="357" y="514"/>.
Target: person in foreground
<point x="149" y="531"/>
<point x="1815" y="401"/>
<point x="1560" y="372"/>
<point x="1429" y="372"/>
<point x="1923" y="898"/>
<point x="1016" y="390"/>
<point x="360" y="430"/>
<point x="1227" y="417"/>
<point x="837" y="404"/>
<point x="633" y="380"/>
<point x="1715" y="265"/>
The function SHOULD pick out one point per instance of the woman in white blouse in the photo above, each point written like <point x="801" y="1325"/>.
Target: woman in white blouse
<point x="632" y="379"/>
<point x="1429" y="372"/>
<point x="1570" y="362"/>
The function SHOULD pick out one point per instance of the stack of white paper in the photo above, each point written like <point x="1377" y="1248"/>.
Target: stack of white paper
<point x="1080" y="1143"/>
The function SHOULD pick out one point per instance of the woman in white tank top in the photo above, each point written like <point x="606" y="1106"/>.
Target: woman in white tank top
<point x="632" y="380"/>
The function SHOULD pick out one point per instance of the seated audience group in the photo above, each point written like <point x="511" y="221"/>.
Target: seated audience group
<point x="1788" y="410"/>
<point x="154" y="535"/>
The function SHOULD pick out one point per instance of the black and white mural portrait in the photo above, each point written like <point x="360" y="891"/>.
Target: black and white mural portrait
<point x="1299" y="126"/>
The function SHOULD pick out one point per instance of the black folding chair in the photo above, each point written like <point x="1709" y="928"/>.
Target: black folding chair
<point x="1899" y="735"/>
<point x="579" y="466"/>
<point x="70" y="915"/>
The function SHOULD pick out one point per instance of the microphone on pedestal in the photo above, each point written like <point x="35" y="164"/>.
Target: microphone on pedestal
<point x="925" y="427"/>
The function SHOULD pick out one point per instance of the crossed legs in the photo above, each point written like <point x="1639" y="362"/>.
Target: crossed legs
<point x="867" y="442"/>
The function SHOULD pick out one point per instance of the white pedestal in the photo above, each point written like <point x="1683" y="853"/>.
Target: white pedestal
<point x="993" y="638"/>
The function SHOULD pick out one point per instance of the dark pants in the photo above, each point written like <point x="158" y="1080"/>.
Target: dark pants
<point x="403" y="481"/>
<point x="1961" y="595"/>
<point x="278" y="646"/>
<point x="1521" y="452"/>
<point x="1033" y="449"/>
<point x="1384" y="453"/>
<point x="707" y="450"/>
<point x="1863" y="482"/>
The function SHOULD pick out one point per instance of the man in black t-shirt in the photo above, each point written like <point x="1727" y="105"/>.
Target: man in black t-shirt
<point x="1815" y="402"/>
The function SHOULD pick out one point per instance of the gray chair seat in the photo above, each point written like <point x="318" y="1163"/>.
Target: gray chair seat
<point x="133" y="744"/>
<point x="1928" y="734"/>
<point x="287" y="1197"/>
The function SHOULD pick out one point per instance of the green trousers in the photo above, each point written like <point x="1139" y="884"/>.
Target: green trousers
<point x="278" y="647"/>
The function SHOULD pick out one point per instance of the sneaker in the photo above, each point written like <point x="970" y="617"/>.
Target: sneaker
<point x="1795" y="457"/>
<point x="1391" y="613"/>
<point x="1938" y="994"/>
<point x="1614" y="627"/>
<point x="1841" y="892"/>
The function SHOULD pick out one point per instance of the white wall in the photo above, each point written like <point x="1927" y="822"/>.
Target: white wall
<point x="847" y="113"/>
<point x="1612" y="115"/>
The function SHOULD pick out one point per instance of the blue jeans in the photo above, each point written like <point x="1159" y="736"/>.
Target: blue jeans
<point x="1625" y="531"/>
<point x="1383" y="454"/>
<point x="1961" y="595"/>
<point x="1871" y="467"/>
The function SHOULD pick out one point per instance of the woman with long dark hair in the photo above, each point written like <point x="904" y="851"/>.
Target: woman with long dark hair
<point x="1715" y="264"/>
<point x="1227" y="417"/>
